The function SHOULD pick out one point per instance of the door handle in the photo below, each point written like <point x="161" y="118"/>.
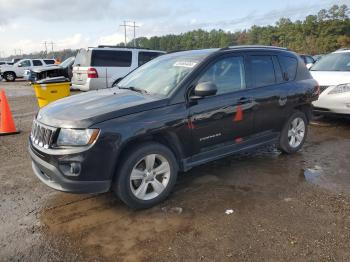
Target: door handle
<point x="244" y="100"/>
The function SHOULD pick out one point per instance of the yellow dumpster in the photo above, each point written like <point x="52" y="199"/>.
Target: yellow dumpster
<point x="51" y="89"/>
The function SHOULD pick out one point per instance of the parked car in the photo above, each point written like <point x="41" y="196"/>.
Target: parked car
<point x="63" y="69"/>
<point x="11" y="72"/>
<point x="100" y="67"/>
<point x="317" y="57"/>
<point x="177" y="111"/>
<point x="332" y="73"/>
<point x="308" y="60"/>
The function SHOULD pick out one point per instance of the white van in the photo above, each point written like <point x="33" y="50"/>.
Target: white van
<point x="100" y="67"/>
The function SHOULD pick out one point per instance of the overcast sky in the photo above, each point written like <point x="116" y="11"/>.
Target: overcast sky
<point x="26" y="24"/>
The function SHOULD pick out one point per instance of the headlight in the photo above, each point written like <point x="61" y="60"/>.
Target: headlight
<point x="77" y="137"/>
<point x="340" y="89"/>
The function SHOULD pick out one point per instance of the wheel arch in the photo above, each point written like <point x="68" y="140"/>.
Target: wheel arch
<point x="169" y="140"/>
<point x="9" y="71"/>
<point x="307" y="110"/>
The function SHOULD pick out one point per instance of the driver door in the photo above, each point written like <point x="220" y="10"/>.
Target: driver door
<point x="226" y="117"/>
<point x="22" y="66"/>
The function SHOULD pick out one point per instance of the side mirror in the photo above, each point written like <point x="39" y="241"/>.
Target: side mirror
<point x="19" y="65"/>
<point x="205" y="89"/>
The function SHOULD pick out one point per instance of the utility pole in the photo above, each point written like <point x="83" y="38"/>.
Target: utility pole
<point x="134" y="26"/>
<point x="125" y="26"/>
<point x="45" y="43"/>
<point x="52" y="43"/>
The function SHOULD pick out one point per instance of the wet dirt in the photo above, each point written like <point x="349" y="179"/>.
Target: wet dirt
<point x="285" y="207"/>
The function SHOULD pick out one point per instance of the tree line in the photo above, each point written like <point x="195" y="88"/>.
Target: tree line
<point x="320" y="33"/>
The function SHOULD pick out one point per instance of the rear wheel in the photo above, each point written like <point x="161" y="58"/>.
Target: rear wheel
<point x="146" y="176"/>
<point x="10" y="76"/>
<point x="294" y="133"/>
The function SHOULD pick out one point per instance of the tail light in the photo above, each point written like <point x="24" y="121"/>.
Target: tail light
<point x="92" y="73"/>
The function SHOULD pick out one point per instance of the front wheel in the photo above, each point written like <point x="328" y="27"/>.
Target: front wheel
<point x="146" y="176"/>
<point x="294" y="133"/>
<point x="10" y="76"/>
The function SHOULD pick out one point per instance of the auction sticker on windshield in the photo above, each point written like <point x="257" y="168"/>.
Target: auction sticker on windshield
<point x="188" y="64"/>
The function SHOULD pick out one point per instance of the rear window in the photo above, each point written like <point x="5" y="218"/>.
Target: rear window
<point x="144" y="57"/>
<point x="37" y="63"/>
<point x="263" y="70"/>
<point x="82" y="58"/>
<point x="109" y="58"/>
<point x="49" y="61"/>
<point x="290" y="66"/>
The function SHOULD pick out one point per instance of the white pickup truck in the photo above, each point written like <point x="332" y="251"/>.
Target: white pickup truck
<point x="11" y="72"/>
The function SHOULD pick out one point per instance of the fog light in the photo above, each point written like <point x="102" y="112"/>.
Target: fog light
<point x="75" y="168"/>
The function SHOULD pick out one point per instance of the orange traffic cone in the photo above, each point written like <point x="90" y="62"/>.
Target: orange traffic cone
<point x="7" y="125"/>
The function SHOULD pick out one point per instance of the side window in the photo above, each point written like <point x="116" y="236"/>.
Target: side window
<point x="25" y="63"/>
<point x="145" y="57"/>
<point x="227" y="74"/>
<point x="49" y="61"/>
<point x="309" y="60"/>
<point x="263" y="70"/>
<point x="290" y="65"/>
<point x="108" y="58"/>
<point x="37" y="63"/>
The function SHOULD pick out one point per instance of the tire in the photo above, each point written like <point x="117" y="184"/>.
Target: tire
<point x="290" y="130"/>
<point x="10" y="76"/>
<point x="139" y="191"/>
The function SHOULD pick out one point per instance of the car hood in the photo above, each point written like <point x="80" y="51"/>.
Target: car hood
<point x="46" y="68"/>
<point x="84" y="110"/>
<point x="328" y="78"/>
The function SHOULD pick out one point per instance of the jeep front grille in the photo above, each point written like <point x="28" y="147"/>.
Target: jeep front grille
<point x="42" y="135"/>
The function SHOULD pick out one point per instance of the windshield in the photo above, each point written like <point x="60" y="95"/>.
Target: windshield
<point x="333" y="62"/>
<point x="163" y="74"/>
<point x="67" y="62"/>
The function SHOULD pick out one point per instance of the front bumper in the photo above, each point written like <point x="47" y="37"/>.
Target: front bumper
<point x="50" y="175"/>
<point x="333" y="103"/>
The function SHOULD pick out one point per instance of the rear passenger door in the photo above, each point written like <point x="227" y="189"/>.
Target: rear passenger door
<point x="145" y="56"/>
<point x="37" y="62"/>
<point x="111" y="64"/>
<point x="270" y="93"/>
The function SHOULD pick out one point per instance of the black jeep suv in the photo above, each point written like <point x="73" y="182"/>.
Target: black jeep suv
<point x="178" y="111"/>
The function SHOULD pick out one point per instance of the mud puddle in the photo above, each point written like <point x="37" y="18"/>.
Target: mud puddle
<point x="106" y="228"/>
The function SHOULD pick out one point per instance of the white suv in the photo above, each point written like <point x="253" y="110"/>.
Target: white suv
<point x="102" y="66"/>
<point x="11" y="72"/>
<point x="332" y="73"/>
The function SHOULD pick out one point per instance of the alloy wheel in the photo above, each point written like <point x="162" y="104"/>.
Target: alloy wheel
<point x="150" y="177"/>
<point x="296" y="132"/>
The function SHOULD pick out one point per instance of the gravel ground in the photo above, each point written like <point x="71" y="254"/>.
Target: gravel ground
<point x="285" y="208"/>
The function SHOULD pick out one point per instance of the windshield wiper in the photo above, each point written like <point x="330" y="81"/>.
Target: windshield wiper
<point x="132" y="88"/>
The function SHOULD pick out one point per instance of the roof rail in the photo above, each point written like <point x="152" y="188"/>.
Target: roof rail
<point x="255" y="46"/>
<point x="115" y="46"/>
<point x="343" y="49"/>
